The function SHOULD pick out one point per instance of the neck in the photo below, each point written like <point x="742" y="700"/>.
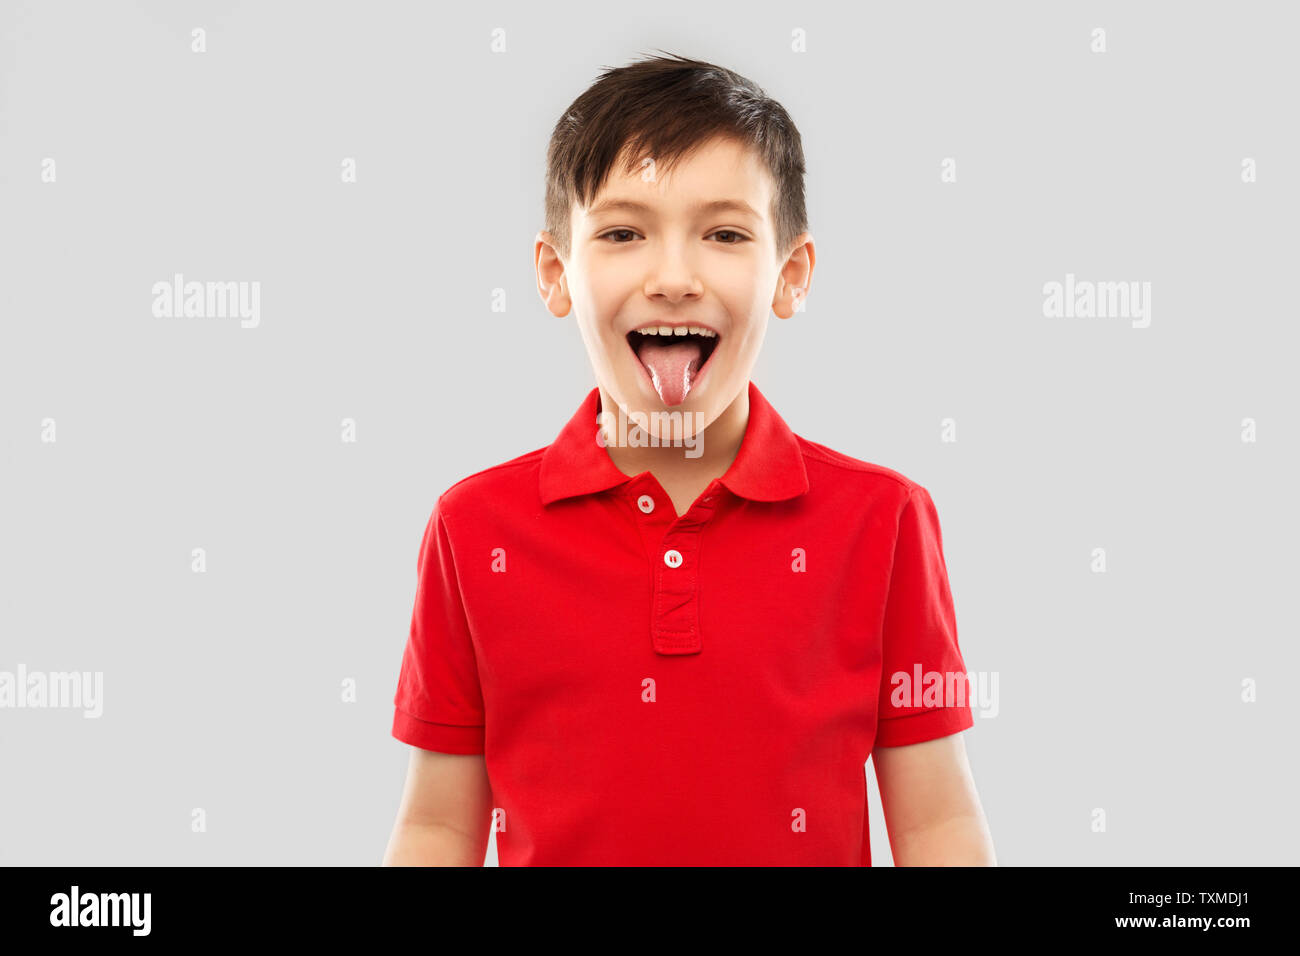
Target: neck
<point x="670" y="462"/>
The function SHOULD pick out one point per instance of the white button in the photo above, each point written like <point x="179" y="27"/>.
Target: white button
<point x="646" y="503"/>
<point x="672" y="558"/>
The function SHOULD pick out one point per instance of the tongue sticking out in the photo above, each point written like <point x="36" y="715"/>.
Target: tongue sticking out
<point x="673" y="365"/>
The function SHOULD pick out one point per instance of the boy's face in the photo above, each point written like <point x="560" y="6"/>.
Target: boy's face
<point x="673" y="260"/>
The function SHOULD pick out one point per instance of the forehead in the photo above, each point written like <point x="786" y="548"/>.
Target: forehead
<point x="721" y="174"/>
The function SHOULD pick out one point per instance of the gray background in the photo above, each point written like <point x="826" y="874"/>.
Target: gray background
<point x="222" y="690"/>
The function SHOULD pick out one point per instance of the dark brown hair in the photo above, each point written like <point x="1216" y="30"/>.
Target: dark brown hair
<point x="664" y="107"/>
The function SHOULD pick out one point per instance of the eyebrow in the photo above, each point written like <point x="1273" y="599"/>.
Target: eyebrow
<point x="715" y="205"/>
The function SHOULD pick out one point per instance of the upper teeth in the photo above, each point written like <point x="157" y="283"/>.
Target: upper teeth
<point x="677" y="330"/>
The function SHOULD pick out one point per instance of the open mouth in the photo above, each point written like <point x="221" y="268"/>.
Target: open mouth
<point x="674" y="363"/>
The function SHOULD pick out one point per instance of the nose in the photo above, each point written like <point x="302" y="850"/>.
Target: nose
<point x="672" y="276"/>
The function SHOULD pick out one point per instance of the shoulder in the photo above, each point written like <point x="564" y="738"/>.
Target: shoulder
<point x="494" y="488"/>
<point x="834" y="466"/>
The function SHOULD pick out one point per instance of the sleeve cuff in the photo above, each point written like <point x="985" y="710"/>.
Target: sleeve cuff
<point x="444" y="738"/>
<point x="923" y="726"/>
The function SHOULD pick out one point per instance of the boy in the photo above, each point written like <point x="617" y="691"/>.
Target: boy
<point x="675" y="638"/>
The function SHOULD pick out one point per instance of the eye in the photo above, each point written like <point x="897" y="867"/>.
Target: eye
<point x="736" y="239"/>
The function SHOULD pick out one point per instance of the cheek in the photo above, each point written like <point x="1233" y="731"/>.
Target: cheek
<point x="608" y="289"/>
<point x="742" y="287"/>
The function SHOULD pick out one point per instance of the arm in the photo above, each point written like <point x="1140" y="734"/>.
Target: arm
<point x="445" y="814"/>
<point x="932" y="811"/>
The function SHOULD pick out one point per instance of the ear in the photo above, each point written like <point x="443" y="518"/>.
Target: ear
<point x="795" y="278"/>
<point x="551" y="283"/>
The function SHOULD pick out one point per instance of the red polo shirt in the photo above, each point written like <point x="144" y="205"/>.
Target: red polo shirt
<point x="695" y="690"/>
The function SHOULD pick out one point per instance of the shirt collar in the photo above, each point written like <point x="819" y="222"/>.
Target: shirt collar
<point x="768" y="467"/>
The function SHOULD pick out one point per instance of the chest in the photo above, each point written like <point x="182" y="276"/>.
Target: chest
<point x="733" y="592"/>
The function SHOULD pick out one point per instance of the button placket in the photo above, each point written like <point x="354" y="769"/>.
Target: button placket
<point x="676" y="625"/>
<point x="671" y="542"/>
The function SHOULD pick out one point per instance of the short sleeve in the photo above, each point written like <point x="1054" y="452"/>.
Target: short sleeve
<point x="439" y="705"/>
<point x="924" y="691"/>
